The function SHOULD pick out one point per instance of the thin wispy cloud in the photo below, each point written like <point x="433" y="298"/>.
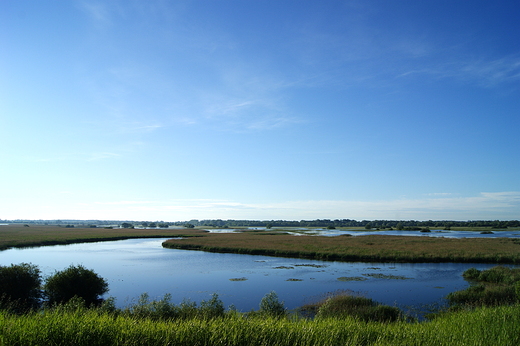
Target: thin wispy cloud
<point x="98" y="11"/>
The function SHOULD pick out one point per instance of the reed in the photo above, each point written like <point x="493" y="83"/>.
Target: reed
<point x="18" y="236"/>
<point x="484" y="326"/>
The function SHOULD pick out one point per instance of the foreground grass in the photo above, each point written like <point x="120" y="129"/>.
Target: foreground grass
<point x="41" y="235"/>
<point x="483" y="326"/>
<point x="370" y="248"/>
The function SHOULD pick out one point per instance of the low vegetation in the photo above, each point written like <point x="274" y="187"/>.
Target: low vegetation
<point x="19" y="236"/>
<point x="370" y="248"/>
<point x="493" y="326"/>
<point x="495" y="286"/>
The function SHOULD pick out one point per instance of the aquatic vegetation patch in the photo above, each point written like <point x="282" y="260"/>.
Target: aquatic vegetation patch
<point x="283" y="267"/>
<point x="352" y="278"/>
<point x="311" y="265"/>
<point x="238" y="279"/>
<point x="386" y="276"/>
<point x="291" y="279"/>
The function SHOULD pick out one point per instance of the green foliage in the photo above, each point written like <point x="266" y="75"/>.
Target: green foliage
<point x="165" y="310"/>
<point x="271" y="306"/>
<point x="343" y="306"/>
<point x="75" y="281"/>
<point x="20" y="287"/>
<point x="499" y="326"/>
<point x="496" y="286"/>
<point x="211" y="308"/>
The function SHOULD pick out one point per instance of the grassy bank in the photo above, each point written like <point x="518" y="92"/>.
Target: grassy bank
<point x="40" y="235"/>
<point x="370" y="248"/>
<point x="485" y="326"/>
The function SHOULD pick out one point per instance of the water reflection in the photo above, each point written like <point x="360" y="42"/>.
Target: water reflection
<point x="135" y="266"/>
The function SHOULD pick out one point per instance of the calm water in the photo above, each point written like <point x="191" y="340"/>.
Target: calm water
<point x="135" y="266"/>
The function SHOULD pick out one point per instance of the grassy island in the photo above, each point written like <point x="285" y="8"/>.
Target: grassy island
<point x="369" y="248"/>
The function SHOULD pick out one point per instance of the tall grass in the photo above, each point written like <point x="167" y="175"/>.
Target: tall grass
<point x="483" y="326"/>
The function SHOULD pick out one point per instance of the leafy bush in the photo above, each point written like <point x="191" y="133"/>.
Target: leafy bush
<point x="270" y="305"/>
<point x="20" y="287"/>
<point x="471" y="274"/>
<point x="75" y="281"/>
<point x="164" y="309"/>
<point x="212" y="308"/>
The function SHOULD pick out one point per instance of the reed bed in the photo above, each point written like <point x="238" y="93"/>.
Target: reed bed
<point x="40" y="235"/>
<point x="484" y="326"/>
<point x="370" y="248"/>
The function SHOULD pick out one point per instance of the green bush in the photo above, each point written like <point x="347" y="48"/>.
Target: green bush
<point x="75" y="281"/>
<point x="270" y="305"/>
<point x="20" y="287"/>
<point x="211" y="308"/>
<point x="471" y="274"/>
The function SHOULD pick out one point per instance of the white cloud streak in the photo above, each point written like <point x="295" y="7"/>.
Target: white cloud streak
<point x="485" y="206"/>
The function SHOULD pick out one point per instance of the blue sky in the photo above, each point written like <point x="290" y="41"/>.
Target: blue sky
<point x="179" y="110"/>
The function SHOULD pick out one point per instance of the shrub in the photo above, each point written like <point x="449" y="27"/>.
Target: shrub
<point x="20" y="287"/>
<point x="471" y="274"/>
<point x="212" y="308"/>
<point x="75" y="281"/>
<point x="270" y="305"/>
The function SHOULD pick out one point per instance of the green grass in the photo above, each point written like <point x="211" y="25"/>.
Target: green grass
<point x="484" y="326"/>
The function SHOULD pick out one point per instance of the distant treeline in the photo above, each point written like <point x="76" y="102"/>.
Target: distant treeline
<point x="326" y="223"/>
<point x="352" y="223"/>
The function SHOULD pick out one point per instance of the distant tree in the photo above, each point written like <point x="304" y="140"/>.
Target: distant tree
<point x="127" y="225"/>
<point x="269" y="226"/>
<point x="368" y="226"/>
<point x="152" y="225"/>
<point x="20" y="287"/>
<point x="75" y="281"/>
<point x="189" y="225"/>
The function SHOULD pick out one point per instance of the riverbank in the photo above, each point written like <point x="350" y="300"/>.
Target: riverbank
<point x="370" y="248"/>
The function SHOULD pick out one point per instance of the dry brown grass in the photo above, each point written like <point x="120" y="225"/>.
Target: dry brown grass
<point x="359" y="248"/>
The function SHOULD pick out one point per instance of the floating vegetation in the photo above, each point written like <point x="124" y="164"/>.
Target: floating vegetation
<point x="374" y="268"/>
<point x="384" y="276"/>
<point x="351" y="278"/>
<point x="294" y="279"/>
<point x="238" y="279"/>
<point x="311" y="265"/>
<point x="283" y="267"/>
